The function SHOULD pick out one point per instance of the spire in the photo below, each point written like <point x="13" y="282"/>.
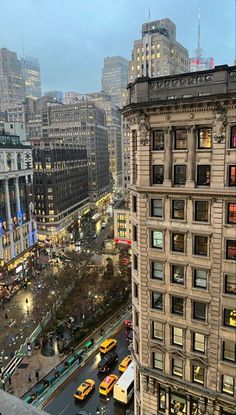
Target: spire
<point x="198" y="51"/>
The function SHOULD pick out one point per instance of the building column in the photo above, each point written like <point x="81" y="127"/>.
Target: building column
<point x="18" y="210"/>
<point x="168" y="157"/>
<point x="191" y="157"/>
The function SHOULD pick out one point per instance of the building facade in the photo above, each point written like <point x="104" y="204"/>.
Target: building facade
<point x="122" y="223"/>
<point x="60" y="185"/>
<point x="18" y="233"/>
<point x="57" y="96"/>
<point x="115" y="77"/>
<point x="200" y="63"/>
<point x="183" y="214"/>
<point x="31" y="75"/>
<point x="12" y="85"/>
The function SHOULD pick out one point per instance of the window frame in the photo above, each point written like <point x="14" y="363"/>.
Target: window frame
<point x="228" y="241"/>
<point x="231" y="166"/>
<point x="161" y="166"/>
<point x="231" y="137"/>
<point x="194" y="333"/>
<point x="196" y="219"/>
<point x="200" y="129"/>
<point x="200" y="166"/>
<point x="160" y="339"/>
<point x="228" y="213"/>
<point x="173" y="272"/>
<point x="173" y="360"/>
<point x="193" y="375"/>
<point x="153" y="307"/>
<point x="194" y="271"/>
<point x="152" y="208"/>
<point x="177" y="130"/>
<point x="222" y="384"/>
<point x="173" y="336"/>
<point x="152" y="240"/>
<point x="194" y="315"/>
<point x="173" y="210"/>
<point x="175" y="167"/>
<point x="225" y="284"/>
<point x="173" y="234"/>
<point x="158" y="360"/>
<point x="152" y="270"/>
<point x="173" y="298"/>
<point x="195" y="245"/>
<point x="223" y="351"/>
<point x="161" y="146"/>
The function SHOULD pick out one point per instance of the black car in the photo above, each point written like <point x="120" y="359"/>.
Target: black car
<point x="107" y="361"/>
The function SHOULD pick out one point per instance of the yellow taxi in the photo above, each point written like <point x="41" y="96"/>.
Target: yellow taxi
<point x="125" y="363"/>
<point x="107" y="345"/>
<point x="84" y="389"/>
<point x="107" y="384"/>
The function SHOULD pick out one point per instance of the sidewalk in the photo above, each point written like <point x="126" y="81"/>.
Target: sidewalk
<point x="19" y="380"/>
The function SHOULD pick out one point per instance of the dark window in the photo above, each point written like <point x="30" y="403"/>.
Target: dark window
<point x="180" y="139"/>
<point x="157" y="330"/>
<point x="158" y="174"/>
<point x="157" y="270"/>
<point x="135" y="290"/>
<point x="229" y="317"/>
<point x="198" y="374"/>
<point x="228" y="384"/>
<point x="156" y="208"/>
<point x="200" y="278"/>
<point x="158" y="140"/>
<point x="135" y="233"/>
<point x="134" y="139"/>
<point x="204" y="138"/>
<point x="157" y="360"/>
<point x="162" y="399"/>
<point x="230" y="284"/>
<point x="177" y="274"/>
<point x="178" y="209"/>
<point x="135" y="262"/>
<point x="231" y="249"/>
<point x="179" y="174"/>
<point x="229" y="351"/>
<point x="177" y="367"/>
<point x="201" y="211"/>
<point x="177" y="305"/>
<point x="199" y="311"/>
<point x="233" y="137"/>
<point x="203" y="175"/>
<point x="177" y="336"/>
<point x="199" y="342"/>
<point x="157" y="300"/>
<point x="231" y="214"/>
<point x="157" y="239"/>
<point x="177" y="242"/>
<point x="134" y="203"/>
<point x="232" y="175"/>
<point x="200" y="245"/>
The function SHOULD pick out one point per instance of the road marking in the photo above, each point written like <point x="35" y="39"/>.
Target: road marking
<point x="66" y="407"/>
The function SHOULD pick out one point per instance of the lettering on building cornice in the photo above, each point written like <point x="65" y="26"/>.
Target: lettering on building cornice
<point x="183" y="226"/>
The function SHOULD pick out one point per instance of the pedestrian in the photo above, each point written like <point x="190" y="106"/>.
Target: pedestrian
<point x="29" y="377"/>
<point x="37" y="375"/>
<point x="6" y="316"/>
<point x="9" y="380"/>
<point x="26" y="300"/>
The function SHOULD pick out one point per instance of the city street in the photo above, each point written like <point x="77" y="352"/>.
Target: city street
<point x="65" y="404"/>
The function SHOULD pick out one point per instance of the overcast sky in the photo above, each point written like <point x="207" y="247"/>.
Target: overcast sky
<point x="71" y="37"/>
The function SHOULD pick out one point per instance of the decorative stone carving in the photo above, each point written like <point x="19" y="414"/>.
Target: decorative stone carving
<point x="191" y="116"/>
<point x="232" y="75"/>
<point x="167" y="117"/>
<point x="144" y="129"/>
<point x="145" y="382"/>
<point x="219" y="124"/>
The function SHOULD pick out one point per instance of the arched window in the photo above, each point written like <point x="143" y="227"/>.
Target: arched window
<point x="9" y="162"/>
<point x="18" y="161"/>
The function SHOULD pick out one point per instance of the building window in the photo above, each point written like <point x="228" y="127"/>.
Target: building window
<point x="198" y="374"/>
<point x="178" y="209"/>
<point x="199" y="311"/>
<point x="158" y="174"/>
<point x="156" y="208"/>
<point x="177" y="336"/>
<point x="157" y="330"/>
<point x="229" y="351"/>
<point x="134" y="204"/>
<point x="201" y="211"/>
<point x="233" y="137"/>
<point x="199" y="342"/>
<point x="177" y="304"/>
<point x="178" y="404"/>
<point x="231" y="249"/>
<point x="179" y="174"/>
<point x="162" y="399"/>
<point x="200" y="245"/>
<point x="204" y="138"/>
<point x="157" y="270"/>
<point x="203" y="175"/>
<point x="228" y="384"/>
<point x="200" y="278"/>
<point x="135" y="290"/>
<point x="157" y="359"/>
<point x="231" y="213"/>
<point x="158" y="140"/>
<point x="134" y="139"/>
<point x="135" y="233"/>
<point x="135" y="262"/>
<point x="157" y="300"/>
<point x="157" y="239"/>
<point x="232" y="175"/>
<point x="177" y="367"/>
<point x="229" y="317"/>
<point x="180" y="139"/>
<point x="177" y="242"/>
<point x="230" y="284"/>
<point x="177" y="274"/>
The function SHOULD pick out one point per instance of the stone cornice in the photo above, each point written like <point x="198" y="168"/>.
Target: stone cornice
<point x="196" y="192"/>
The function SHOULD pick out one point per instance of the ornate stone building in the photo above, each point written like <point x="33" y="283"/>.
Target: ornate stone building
<point x="183" y="217"/>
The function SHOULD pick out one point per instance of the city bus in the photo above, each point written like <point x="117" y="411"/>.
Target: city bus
<point x="124" y="387"/>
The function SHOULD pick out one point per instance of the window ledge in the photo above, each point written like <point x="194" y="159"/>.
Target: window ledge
<point x="180" y="150"/>
<point x="203" y="150"/>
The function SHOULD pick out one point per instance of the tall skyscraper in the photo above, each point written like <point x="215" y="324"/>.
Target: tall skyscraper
<point x="115" y="77"/>
<point x="183" y="217"/>
<point x="158" y="53"/>
<point x="12" y="85"/>
<point x="31" y="74"/>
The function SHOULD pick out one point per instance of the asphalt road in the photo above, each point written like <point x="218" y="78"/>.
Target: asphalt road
<point x="65" y="404"/>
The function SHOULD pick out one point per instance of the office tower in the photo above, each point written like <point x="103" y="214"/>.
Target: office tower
<point x="183" y="217"/>
<point x="114" y="77"/>
<point x="83" y="123"/>
<point x="113" y="123"/>
<point x="158" y="53"/>
<point x="31" y="75"/>
<point x="60" y="185"/>
<point x="57" y="96"/>
<point x="18" y="233"/>
<point x="72" y="97"/>
<point x="12" y="86"/>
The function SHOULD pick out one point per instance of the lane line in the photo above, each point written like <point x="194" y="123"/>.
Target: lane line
<point x="63" y="410"/>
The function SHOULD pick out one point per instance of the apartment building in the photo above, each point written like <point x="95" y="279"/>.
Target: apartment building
<point x="183" y="218"/>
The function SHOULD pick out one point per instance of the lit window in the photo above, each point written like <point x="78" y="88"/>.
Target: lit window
<point x="157" y="330"/>
<point x="229" y="317"/>
<point x="231" y="249"/>
<point x="232" y="175"/>
<point x="177" y="336"/>
<point x="162" y="399"/>
<point x="204" y="138"/>
<point x="228" y="384"/>
<point x="231" y="213"/>
<point x="177" y="367"/>
<point x="198" y="374"/>
<point x="157" y="360"/>
<point x="199" y="342"/>
<point x="233" y="137"/>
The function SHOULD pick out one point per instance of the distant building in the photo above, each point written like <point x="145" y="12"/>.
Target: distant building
<point x="18" y="233"/>
<point x="122" y="223"/>
<point x="16" y="128"/>
<point x="72" y="97"/>
<point x="57" y="96"/>
<point x="12" y="85"/>
<point x="115" y="77"/>
<point x="31" y="74"/>
<point x="60" y="185"/>
<point x="201" y="63"/>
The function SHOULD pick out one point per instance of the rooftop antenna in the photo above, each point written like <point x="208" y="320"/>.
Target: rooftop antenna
<point x="149" y="14"/>
<point x="199" y="50"/>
